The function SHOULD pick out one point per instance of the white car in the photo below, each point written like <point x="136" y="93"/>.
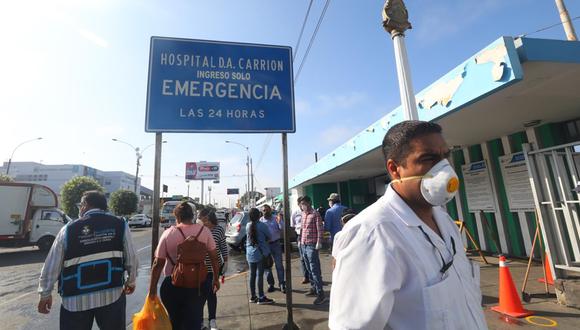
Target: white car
<point x="140" y="220"/>
<point x="220" y="215"/>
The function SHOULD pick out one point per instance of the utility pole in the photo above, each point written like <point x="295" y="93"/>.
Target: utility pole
<point x="396" y="22"/>
<point x="566" y="22"/>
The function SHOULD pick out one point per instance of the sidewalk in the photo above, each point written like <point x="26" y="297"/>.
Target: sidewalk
<point x="235" y="312"/>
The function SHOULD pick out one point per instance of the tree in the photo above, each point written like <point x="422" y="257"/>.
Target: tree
<point x="6" y="178"/>
<point x="123" y="202"/>
<point x="73" y="190"/>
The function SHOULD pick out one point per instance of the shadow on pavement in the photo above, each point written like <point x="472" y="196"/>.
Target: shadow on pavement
<point x="16" y="258"/>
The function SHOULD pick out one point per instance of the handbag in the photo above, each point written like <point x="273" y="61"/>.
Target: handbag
<point x="267" y="261"/>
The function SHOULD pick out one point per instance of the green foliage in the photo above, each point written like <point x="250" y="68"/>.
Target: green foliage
<point x="123" y="202"/>
<point x="6" y="178"/>
<point x="72" y="191"/>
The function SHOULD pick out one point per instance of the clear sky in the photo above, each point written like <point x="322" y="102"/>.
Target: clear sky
<point x="75" y="73"/>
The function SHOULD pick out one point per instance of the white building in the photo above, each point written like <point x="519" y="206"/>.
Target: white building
<point x="55" y="176"/>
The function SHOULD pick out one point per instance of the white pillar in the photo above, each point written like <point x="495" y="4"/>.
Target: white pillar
<point x="404" y="75"/>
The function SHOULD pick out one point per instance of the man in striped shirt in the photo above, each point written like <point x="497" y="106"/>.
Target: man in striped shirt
<point x="89" y="258"/>
<point x="311" y="242"/>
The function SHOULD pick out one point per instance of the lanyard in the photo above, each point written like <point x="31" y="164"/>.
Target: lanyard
<point x="446" y="265"/>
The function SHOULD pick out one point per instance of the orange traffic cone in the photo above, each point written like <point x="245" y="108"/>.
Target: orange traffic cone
<point x="548" y="272"/>
<point x="509" y="300"/>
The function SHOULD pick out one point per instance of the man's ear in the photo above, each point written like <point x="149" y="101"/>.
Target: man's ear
<point x="392" y="170"/>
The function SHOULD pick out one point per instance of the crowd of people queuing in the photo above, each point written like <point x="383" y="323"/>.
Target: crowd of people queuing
<point x="416" y="275"/>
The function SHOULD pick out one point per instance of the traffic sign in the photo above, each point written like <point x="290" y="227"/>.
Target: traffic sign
<point x="233" y="191"/>
<point x="202" y="171"/>
<point x="219" y="87"/>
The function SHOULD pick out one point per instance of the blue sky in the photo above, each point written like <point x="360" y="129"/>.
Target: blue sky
<point x="75" y="73"/>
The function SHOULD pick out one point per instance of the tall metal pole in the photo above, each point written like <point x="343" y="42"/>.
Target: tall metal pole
<point x="252" y="174"/>
<point x="249" y="187"/>
<point x="395" y="22"/>
<point x="565" y="18"/>
<point x="137" y="171"/>
<point x="156" y="194"/>
<point x="209" y="192"/>
<point x="202" y="192"/>
<point x="13" y="151"/>
<point x="287" y="247"/>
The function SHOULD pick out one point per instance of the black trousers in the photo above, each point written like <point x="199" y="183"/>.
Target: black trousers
<point x="184" y="306"/>
<point x="108" y="317"/>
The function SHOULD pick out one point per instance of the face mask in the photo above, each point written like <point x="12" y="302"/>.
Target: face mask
<point x="439" y="185"/>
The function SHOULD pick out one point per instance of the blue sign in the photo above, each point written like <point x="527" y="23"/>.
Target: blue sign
<point x="219" y="87"/>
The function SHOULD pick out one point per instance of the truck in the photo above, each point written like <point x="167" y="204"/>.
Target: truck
<point x="29" y="215"/>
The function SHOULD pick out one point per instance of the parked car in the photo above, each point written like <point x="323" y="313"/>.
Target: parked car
<point x="140" y="220"/>
<point x="236" y="231"/>
<point x="221" y="215"/>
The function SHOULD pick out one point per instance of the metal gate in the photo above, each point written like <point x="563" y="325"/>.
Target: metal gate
<point x="554" y="174"/>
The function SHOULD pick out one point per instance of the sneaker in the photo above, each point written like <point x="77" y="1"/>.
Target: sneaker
<point x="283" y="288"/>
<point x="311" y="293"/>
<point x="265" y="300"/>
<point x="305" y="281"/>
<point x="320" y="300"/>
<point x="213" y="325"/>
<point x="271" y="288"/>
<point x="254" y="299"/>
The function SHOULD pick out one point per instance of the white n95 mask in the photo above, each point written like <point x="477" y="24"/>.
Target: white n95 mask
<point x="439" y="185"/>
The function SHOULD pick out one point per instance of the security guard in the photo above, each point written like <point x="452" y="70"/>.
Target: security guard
<point x="89" y="258"/>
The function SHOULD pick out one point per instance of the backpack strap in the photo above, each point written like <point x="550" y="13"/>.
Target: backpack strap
<point x="167" y="254"/>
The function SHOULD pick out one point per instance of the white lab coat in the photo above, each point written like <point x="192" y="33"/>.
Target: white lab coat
<point x="387" y="274"/>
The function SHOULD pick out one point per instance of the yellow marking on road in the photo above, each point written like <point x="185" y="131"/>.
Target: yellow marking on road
<point x="551" y="323"/>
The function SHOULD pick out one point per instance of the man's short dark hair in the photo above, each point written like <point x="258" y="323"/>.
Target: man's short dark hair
<point x="300" y="199"/>
<point x="306" y="199"/>
<point x="397" y="141"/>
<point x="95" y="199"/>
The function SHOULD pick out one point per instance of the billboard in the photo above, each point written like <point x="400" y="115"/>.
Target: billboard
<point x="202" y="171"/>
<point x="219" y="87"/>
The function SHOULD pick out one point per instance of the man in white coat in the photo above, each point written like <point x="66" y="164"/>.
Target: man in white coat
<point x="400" y="263"/>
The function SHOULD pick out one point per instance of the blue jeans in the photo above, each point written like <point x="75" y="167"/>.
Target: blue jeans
<point x="312" y="261"/>
<point x="303" y="267"/>
<point x="108" y="317"/>
<point x="276" y="250"/>
<point x="256" y="270"/>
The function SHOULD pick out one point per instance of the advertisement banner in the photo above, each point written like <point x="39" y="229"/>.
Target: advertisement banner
<point x="202" y="171"/>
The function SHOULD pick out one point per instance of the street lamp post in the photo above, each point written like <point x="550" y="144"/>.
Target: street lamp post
<point x="138" y="155"/>
<point x="250" y="169"/>
<point x="396" y="22"/>
<point x="13" y="151"/>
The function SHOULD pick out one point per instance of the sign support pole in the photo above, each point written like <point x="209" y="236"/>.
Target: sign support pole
<point x="287" y="247"/>
<point x="202" y="192"/>
<point x="156" y="195"/>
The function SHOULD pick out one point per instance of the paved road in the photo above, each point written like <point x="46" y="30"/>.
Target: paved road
<point x="20" y="268"/>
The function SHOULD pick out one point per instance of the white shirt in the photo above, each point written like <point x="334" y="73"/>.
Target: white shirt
<point x="296" y="220"/>
<point x="387" y="274"/>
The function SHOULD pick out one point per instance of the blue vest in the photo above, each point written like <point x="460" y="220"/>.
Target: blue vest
<point x="93" y="255"/>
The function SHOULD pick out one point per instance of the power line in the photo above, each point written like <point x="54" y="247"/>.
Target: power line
<point x="548" y="27"/>
<point x="302" y="30"/>
<point x="320" y="19"/>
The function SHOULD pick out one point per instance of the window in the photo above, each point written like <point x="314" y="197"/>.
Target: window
<point x="51" y="215"/>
